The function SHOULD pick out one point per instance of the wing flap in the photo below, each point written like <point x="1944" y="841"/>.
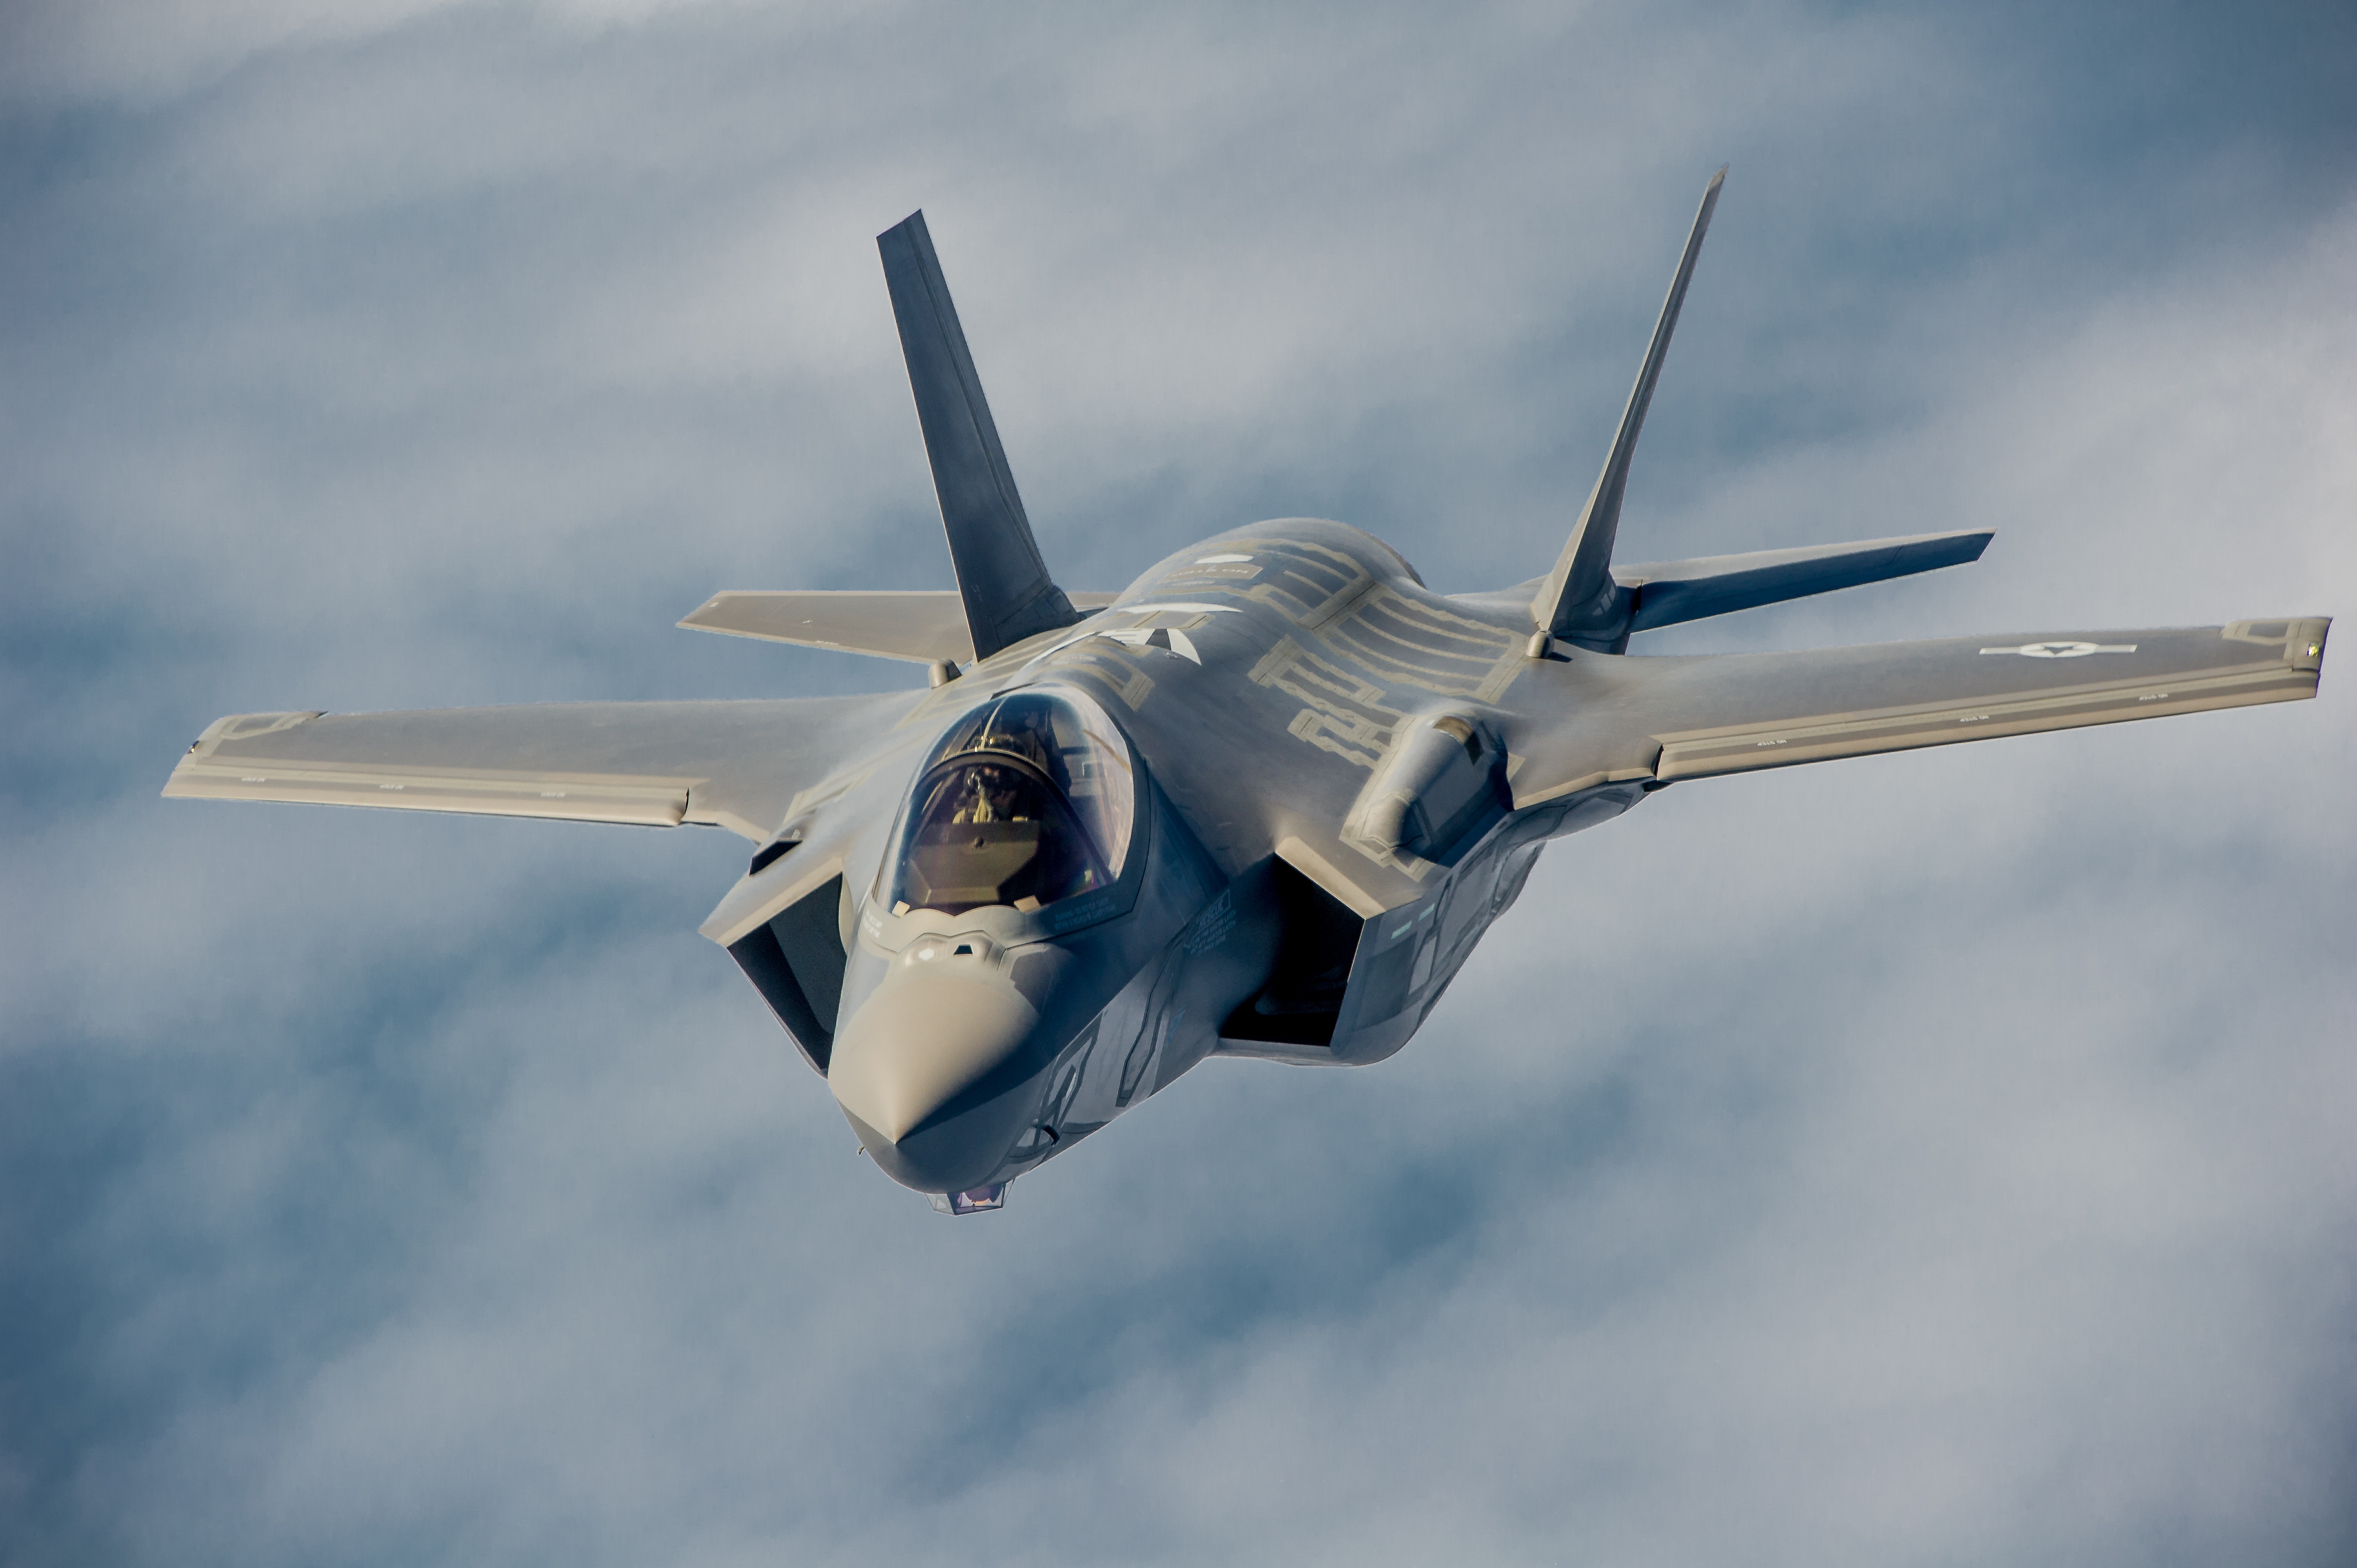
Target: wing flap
<point x="925" y="627"/>
<point x="736" y="765"/>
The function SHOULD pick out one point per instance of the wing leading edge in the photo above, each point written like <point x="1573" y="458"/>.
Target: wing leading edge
<point x="1614" y="718"/>
<point x="736" y="765"/>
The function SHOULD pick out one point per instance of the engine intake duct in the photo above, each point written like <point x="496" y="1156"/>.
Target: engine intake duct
<point x="795" y="960"/>
<point x="1318" y="940"/>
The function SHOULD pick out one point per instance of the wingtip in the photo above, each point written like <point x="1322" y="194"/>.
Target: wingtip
<point x="913" y="220"/>
<point x="1720" y="177"/>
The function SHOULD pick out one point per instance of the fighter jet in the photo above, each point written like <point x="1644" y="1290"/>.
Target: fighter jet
<point x="1262" y="802"/>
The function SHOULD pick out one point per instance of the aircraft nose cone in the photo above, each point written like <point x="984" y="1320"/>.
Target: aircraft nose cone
<point x="914" y="1047"/>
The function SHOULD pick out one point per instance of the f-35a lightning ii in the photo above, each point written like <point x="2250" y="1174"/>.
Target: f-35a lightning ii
<point x="1262" y="802"/>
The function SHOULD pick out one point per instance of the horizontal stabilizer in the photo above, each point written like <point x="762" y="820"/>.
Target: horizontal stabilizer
<point x="1665" y="593"/>
<point x="923" y="626"/>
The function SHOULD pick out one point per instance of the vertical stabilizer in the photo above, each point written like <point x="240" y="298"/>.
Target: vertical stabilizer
<point x="1007" y="592"/>
<point x="1579" y="601"/>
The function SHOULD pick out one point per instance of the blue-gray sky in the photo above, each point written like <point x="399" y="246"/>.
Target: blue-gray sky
<point x="1941" y="1158"/>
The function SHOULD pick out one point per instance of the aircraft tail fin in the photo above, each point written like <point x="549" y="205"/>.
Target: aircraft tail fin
<point x="1579" y="601"/>
<point x="1007" y="592"/>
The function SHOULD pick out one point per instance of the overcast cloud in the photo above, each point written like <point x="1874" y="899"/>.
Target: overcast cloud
<point x="1941" y="1158"/>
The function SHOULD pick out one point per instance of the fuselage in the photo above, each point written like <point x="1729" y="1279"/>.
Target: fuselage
<point x="1302" y="753"/>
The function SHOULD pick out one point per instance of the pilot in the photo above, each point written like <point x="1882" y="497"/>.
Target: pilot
<point x="992" y="795"/>
<point x="1026" y="730"/>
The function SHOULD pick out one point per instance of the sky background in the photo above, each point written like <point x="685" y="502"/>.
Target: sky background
<point x="1940" y="1158"/>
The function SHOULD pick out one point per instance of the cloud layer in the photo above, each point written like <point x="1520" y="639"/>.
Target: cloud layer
<point x="1929" y="1158"/>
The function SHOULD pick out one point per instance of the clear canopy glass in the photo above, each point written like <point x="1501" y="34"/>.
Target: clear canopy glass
<point x="1027" y="799"/>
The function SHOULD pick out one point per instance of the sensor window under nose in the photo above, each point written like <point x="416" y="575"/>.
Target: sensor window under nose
<point x="980" y="1201"/>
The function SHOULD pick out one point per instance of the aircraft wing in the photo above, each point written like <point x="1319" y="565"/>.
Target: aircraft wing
<point x="1618" y="719"/>
<point x="735" y="764"/>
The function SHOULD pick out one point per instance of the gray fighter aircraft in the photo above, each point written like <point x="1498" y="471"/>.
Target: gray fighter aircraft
<point x="1262" y="802"/>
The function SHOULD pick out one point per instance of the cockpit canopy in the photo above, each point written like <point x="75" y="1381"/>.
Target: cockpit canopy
<point x="1027" y="801"/>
